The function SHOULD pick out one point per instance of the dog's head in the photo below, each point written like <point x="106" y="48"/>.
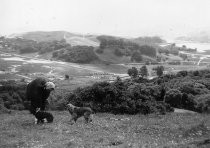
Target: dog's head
<point x="49" y="86"/>
<point x="70" y="106"/>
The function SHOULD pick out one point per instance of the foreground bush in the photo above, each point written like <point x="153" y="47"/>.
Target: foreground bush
<point x="12" y="94"/>
<point x="120" y="97"/>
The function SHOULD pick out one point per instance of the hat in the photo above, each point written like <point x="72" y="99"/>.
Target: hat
<point x="50" y="85"/>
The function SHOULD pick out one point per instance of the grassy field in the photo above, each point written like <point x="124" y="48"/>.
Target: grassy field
<point x="106" y="130"/>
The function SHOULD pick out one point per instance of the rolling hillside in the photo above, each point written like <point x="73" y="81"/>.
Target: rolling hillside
<point x="84" y="41"/>
<point x="113" y="49"/>
<point x="71" y="38"/>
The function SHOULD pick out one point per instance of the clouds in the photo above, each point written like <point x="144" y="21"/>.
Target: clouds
<point x="117" y="17"/>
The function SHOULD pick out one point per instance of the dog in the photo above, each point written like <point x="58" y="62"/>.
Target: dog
<point x="77" y="112"/>
<point x="43" y="117"/>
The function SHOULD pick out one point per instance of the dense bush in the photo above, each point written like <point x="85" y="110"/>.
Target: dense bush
<point x="136" y="57"/>
<point x="127" y="47"/>
<point x="173" y="97"/>
<point x="99" y="50"/>
<point x="76" y="54"/>
<point x="118" y="52"/>
<point x="120" y="97"/>
<point x="27" y="49"/>
<point x="203" y="103"/>
<point x="147" y="50"/>
<point x="13" y="94"/>
<point x="133" y="72"/>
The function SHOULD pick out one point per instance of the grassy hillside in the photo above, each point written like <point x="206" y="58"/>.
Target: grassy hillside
<point x="118" y="131"/>
<point x="109" y="49"/>
<point x="109" y="57"/>
<point x="45" y="36"/>
<point x="116" y="49"/>
<point x="71" y="38"/>
<point x="82" y="40"/>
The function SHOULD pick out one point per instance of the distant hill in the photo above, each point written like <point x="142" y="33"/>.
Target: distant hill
<point x="71" y="46"/>
<point x="82" y="40"/>
<point x="202" y="37"/>
<point x="43" y="36"/>
<point x="48" y="36"/>
<point x="148" y="40"/>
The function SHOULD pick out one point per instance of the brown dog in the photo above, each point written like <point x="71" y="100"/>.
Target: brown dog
<point x="77" y="112"/>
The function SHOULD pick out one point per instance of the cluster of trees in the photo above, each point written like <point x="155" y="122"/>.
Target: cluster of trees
<point x="60" y="49"/>
<point x="134" y="73"/>
<point x="76" y="54"/>
<point x="45" y="47"/>
<point x="149" y="40"/>
<point x="125" y="47"/>
<point x="143" y="71"/>
<point x="169" y="50"/>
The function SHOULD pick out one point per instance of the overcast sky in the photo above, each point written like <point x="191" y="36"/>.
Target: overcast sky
<point x="166" y="18"/>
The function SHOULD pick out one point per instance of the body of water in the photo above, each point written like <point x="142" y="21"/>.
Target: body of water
<point x="201" y="47"/>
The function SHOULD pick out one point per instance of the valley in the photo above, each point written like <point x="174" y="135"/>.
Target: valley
<point x="179" y="128"/>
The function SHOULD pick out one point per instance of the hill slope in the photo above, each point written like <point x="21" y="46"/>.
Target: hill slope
<point x="48" y="36"/>
<point x="109" y="49"/>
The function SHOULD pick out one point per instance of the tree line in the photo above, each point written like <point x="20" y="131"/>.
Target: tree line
<point x="125" y="47"/>
<point x="76" y="54"/>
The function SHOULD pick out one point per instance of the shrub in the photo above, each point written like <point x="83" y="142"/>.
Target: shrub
<point x="173" y="97"/>
<point x="182" y="73"/>
<point x="143" y="71"/>
<point x="99" y="50"/>
<point x="136" y="56"/>
<point x="118" y="52"/>
<point x="203" y="103"/>
<point x="76" y="54"/>
<point x="119" y="97"/>
<point x="133" y="72"/>
<point x="66" y="77"/>
<point x="188" y="102"/>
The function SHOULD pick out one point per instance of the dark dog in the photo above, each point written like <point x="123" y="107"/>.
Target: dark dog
<point x="43" y="117"/>
<point x="77" y="112"/>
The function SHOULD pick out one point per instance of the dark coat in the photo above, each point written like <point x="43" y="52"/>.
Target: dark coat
<point x="37" y="94"/>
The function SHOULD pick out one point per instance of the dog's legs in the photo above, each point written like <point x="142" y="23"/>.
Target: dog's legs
<point x="91" y="118"/>
<point x="87" y="117"/>
<point x="74" y="118"/>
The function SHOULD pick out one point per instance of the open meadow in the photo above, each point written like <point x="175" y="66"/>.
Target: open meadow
<point x="106" y="130"/>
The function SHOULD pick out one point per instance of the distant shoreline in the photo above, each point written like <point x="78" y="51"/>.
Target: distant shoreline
<point x="202" y="48"/>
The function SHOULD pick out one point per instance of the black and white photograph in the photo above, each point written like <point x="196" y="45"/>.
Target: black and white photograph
<point x="104" y="73"/>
